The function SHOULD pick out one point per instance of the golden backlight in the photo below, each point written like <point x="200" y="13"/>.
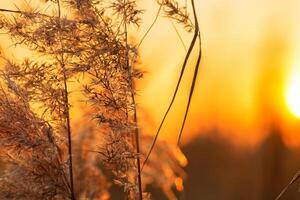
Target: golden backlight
<point x="293" y="93"/>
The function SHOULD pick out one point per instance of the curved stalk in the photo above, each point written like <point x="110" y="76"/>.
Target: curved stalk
<point x="191" y="47"/>
<point x="191" y="90"/>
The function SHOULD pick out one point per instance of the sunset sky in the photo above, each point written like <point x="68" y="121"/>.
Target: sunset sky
<point x="249" y="78"/>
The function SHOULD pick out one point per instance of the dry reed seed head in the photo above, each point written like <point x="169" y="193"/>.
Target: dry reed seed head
<point x="82" y="64"/>
<point x="127" y="10"/>
<point x="81" y="4"/>
<point x="34" y="170"/>
<point x="118" y="155"/>
<point x="84" y="9"/>
<point x="40" y="83"/>
<point x="45" y="1"/>
<point x="95" y="43"/>
<point x="176" y="12"/>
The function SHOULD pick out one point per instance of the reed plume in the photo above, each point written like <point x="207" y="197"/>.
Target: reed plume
<point x="34" y="165"/>
<point x="89" y="38"/>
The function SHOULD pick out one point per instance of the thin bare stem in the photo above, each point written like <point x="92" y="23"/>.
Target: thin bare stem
<point x="67" y="110"/>
<point x="136" y="130"/>
<point x="194" y="76"/>
<point x="191" y="91"/>
<point x="137" y="139"/>
<point x="150" y="27"/>
<point x="294" y="179"/>
<point x="67" y="116"/>
<point x="21" y="12"/>
<point x="178" y="34"/>
<point x="59" y="8"/>
<point x="11" y="11"/>
<point x="196" y="33"/>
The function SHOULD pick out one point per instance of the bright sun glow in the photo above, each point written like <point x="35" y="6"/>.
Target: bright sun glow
<point x="293" y="93"/>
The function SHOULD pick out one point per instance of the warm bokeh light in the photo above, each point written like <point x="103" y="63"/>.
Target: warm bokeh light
<point x="293" y="93"/>
<point x="181" y="157"/>
<point x="179" y="184"/>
